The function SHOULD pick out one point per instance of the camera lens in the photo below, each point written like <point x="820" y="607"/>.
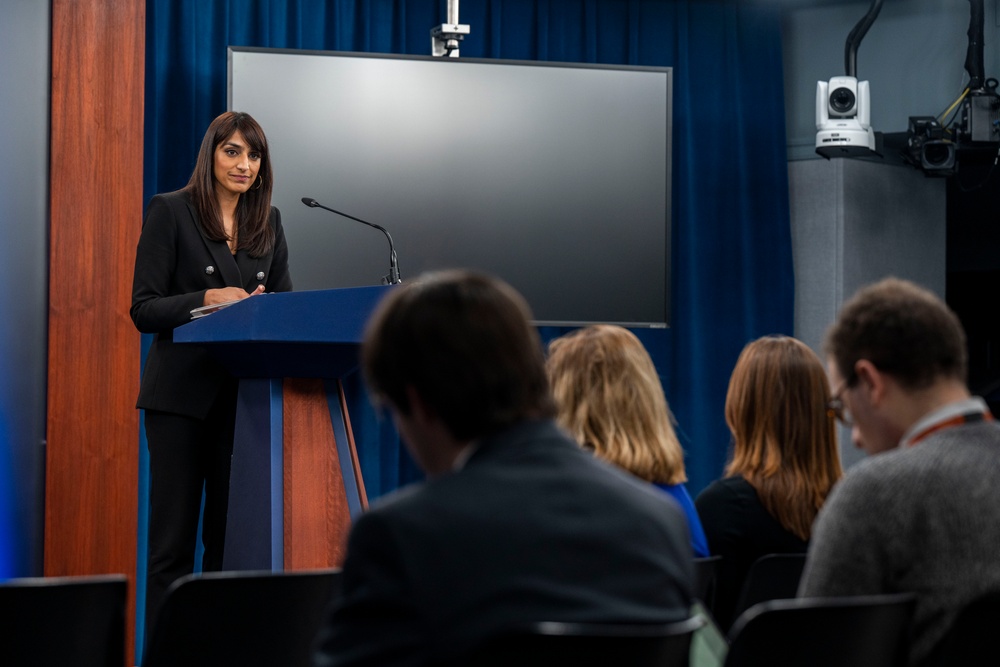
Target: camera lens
<point x="938" y="153"/>
<point x="842" y="100"/>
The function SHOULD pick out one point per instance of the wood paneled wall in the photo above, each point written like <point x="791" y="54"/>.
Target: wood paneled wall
<point x="96" y="168"/>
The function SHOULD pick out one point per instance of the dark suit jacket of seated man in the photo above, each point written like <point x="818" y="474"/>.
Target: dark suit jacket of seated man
<point x="516" y="523"/>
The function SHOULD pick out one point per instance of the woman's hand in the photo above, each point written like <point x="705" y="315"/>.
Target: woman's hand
<point x="227" y="294"/>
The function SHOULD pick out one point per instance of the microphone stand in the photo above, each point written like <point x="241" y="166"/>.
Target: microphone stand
<point x="393" y="277"/>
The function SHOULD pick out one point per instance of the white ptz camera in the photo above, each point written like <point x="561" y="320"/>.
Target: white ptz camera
<point x="843" y="118"/>
<point x="843" y="100"/>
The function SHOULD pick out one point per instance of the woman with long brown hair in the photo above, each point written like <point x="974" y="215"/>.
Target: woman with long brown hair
<point x="216" y="241"/>
<point x="610" y="399"/>
<point x="785" y="460"/>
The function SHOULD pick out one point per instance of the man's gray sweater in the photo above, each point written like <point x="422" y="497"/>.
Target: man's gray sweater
<point x="924" y="519"/>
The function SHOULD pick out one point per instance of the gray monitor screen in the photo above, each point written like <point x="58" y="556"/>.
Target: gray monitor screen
<point x="554" y="177"/>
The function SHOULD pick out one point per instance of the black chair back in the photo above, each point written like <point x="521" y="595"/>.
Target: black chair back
<point x="251" y="619"/>
<point x="60" y="621"/>
<point x="589" y="645"/>
<point x="706" y="575"/>
<point x="970" y="641"/>
<point x="864" y="631"/>
<point x="771" y="577"/>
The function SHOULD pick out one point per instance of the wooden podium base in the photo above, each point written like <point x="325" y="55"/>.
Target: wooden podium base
<point x="296" y="483"/>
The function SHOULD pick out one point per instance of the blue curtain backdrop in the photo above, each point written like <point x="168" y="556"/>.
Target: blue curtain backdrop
<point x="732" y="265"/>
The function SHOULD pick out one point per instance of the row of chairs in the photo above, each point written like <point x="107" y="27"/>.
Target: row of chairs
<point x="773" y="627"/>
<point x="269" y="619"/>
<point x="217" y="619"/>
<point x="869" y="631"/>
<point x="775" y="618"/>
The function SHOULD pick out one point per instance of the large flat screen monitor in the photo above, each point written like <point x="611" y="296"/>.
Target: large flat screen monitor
<point x="553" y="176"/>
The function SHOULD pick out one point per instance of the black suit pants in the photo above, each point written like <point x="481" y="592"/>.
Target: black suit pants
<point x="186" y="457"/>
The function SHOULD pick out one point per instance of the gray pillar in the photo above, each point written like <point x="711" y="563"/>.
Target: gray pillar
<point x="854" y="222"/>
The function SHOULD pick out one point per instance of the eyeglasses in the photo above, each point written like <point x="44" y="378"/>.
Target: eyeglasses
<point x="836" y="407"/>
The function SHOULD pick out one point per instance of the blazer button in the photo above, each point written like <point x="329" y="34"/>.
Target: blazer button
<point x="209" y="270"/>
<point x="260" y="275"/>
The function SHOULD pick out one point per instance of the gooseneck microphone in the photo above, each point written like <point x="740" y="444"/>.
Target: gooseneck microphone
<point x="393" y="277"/>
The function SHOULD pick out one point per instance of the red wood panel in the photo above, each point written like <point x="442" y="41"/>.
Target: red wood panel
<point x="96" y="166"/>
<point x="316" y="517"/>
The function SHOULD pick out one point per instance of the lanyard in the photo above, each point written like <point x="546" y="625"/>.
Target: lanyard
<point x="958" y="420"/>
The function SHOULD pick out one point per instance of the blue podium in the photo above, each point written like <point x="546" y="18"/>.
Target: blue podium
<point x="296" y="483"/>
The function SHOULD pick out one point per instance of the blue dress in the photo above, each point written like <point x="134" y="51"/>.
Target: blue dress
<point x="698" y="540"/>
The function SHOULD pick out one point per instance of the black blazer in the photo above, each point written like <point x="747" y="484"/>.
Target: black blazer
<point x="740" y="529"/>
<point x="532" y="528"/>
<point x="174" y="265"/>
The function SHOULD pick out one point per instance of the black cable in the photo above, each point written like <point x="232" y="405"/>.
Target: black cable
<point x="857" y="34"/>
<point x="974" y="55"/>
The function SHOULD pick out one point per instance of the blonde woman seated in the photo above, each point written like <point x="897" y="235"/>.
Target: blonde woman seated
<point x="610" y="399"/>
<point x="784" y="461"/>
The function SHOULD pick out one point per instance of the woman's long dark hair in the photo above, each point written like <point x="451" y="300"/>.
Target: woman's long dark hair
<point x="253" y="210"/>
<point x="785" y="444"/>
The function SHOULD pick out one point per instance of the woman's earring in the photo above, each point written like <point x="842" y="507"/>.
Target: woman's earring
<point x="260" y="183"/>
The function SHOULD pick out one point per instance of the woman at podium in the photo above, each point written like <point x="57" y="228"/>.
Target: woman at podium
<point x="214" y="242"/>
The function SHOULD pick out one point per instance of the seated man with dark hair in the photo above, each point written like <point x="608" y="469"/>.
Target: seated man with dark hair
<point x="516" y="523"/>
<point x="922" y="516"/>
